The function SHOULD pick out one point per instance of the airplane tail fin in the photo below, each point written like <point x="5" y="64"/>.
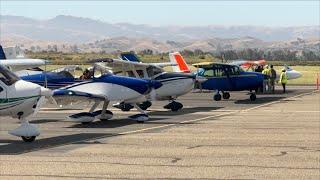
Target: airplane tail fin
<point x="181" y="66"/>
<point x="128" y="56"/>
<point x="287" y="67"/>
<point x="2" y="54"/>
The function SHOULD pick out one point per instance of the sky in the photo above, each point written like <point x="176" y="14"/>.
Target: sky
<point x="181" y="13"/>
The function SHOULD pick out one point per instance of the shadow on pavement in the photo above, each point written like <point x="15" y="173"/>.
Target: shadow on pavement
<point x="20" y="147"/>
<point x="259" y="100"/>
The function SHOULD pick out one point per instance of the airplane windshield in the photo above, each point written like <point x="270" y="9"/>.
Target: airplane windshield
<point x="7" y="76"/>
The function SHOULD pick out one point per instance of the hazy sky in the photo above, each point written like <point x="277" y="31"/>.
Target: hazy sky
<point x="266" y="13"/>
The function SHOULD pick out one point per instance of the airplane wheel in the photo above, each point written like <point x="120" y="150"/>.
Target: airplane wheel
<point x="217" y="97"/>
<point x="176" y="106"/>
<point x="28" y="138"/>
<point x="145" y="105"/>
<point x="126" y="107"/>
<point x="140" y="122"/>
<point x="226" y="95"/>
<point x="107" y="118"/>
<point x="253" y="97"/>
<point x="85" y="123"/>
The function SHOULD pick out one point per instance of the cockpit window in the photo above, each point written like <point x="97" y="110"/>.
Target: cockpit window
<point x="7" y="76"/>
<point x="152" y="71"/>
<point x="215" y="72"/>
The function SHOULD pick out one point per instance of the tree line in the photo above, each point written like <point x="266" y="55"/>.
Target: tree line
<point x="250" y="54"/>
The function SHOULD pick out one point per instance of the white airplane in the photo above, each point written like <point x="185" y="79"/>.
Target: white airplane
<point x="105" y="87"/>
<point x="20" y="99"/>
<point x="291" y="73"/>
<point x="247" y="65"/>
<point x="174" y="84"/>
<point x="21" y="63"/>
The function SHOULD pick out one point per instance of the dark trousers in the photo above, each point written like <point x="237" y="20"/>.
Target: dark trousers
<point x="284" y="87"/>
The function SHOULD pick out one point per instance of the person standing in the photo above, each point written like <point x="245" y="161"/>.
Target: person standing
<point x="283" y="79"/>
<point x="266" y="72"/>
<point x="273" y="76"/>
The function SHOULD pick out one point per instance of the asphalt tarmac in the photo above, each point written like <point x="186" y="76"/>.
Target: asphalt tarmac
<point x="276" y="136"/>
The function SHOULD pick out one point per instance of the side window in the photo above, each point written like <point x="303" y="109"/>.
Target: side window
<point x="130" y="74"/>
<point x="208" y="73"/>
<point x="234" y="70"/>
<point x="218" y="71"/>
<point x="1" y="89"/>
<point x="140" y="73"/>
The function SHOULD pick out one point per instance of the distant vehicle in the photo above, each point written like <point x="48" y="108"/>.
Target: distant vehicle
<point x="174" y="84"/>
<point x="225" y="77"/>
<point x="20" y="99"/>
<point x="20" y="63"/>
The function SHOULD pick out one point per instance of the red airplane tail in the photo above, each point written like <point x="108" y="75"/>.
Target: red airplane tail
<point x="181" y="66"/>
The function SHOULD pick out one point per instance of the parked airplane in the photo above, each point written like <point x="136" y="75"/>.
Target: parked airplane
<point x="174" y="84"/>
<point x="105" y="87"/>
<point x="247" y="65"/>
<point x="21" y="63"/>
<point x="226" y="77"/>
<point x="20" y="99"/>
<point x="54" y="79"/>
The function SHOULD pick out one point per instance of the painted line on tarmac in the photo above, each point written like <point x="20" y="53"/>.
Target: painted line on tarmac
<point x="169" y="125"/>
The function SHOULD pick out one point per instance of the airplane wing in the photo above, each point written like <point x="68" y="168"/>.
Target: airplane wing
<point x="118" y="65"/>
<point x="68" y="68"/>
<point x="203" y="65"/>
<point x="165" y="64"/>
<point x="21" y="64"/>
<point x="248" y="64"/>
<point x="131" y="57"/>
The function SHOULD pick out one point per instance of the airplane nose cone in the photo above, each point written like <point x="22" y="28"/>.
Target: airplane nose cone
<point x="299" y="74"/>
<point x="45" y="92"/>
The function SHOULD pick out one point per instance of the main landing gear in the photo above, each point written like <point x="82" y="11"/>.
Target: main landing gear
<point x="104" y="114"/>
<point x="174" y="106"/>
<point x="225" y="95"/>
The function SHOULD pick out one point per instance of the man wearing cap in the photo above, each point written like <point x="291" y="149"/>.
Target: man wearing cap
<point x="283" y="79"/>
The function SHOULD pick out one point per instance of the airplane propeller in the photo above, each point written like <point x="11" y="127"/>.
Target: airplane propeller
<point x="44" y="93"/>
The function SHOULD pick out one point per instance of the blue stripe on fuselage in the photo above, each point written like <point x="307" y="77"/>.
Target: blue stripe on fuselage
<point x="140" y="85"/>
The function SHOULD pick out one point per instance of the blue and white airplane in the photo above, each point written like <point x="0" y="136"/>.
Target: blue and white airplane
<point x="105" y="87"/>
<point x="175" y="84"/>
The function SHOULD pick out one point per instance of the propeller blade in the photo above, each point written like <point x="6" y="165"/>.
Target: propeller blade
<point x="153" y="94"/>
<point x="52" y="101"/>
<point x="45" y="92"/>
<point x="40" y="102"/>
